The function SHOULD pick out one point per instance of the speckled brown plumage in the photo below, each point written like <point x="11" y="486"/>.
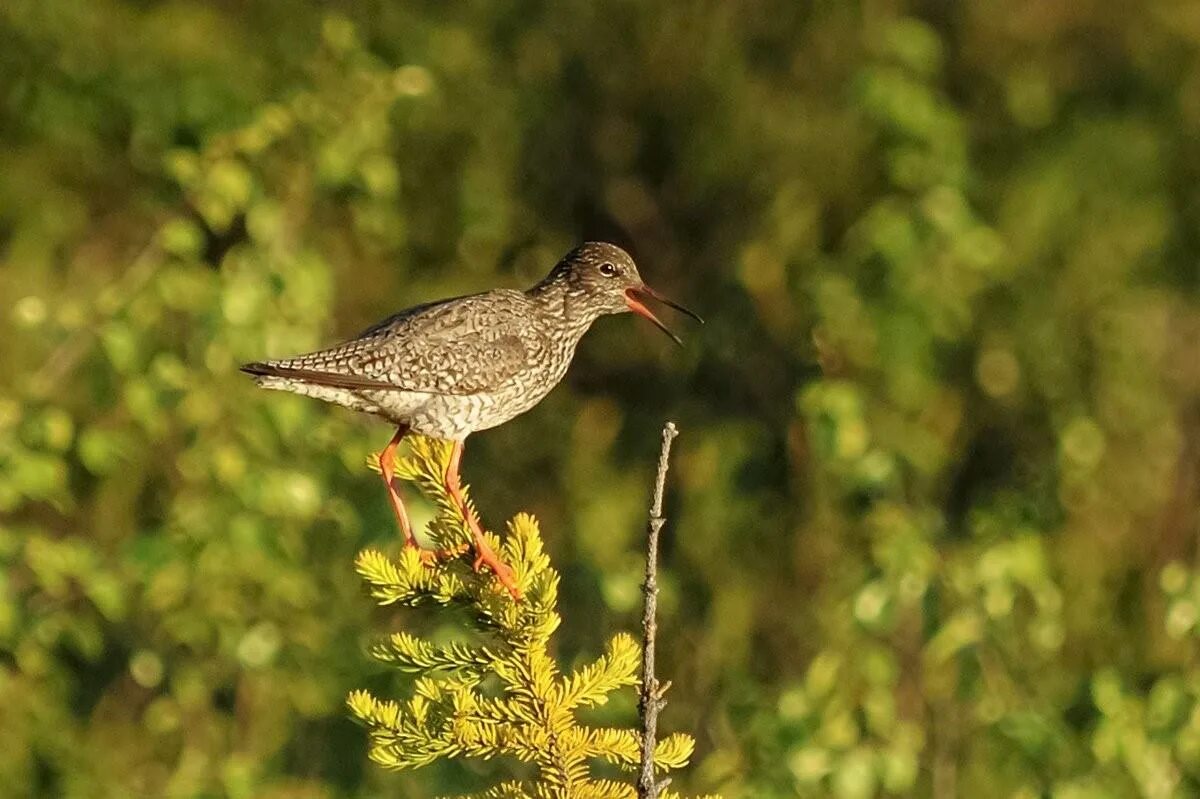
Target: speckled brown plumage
<point x="447" y="369"/>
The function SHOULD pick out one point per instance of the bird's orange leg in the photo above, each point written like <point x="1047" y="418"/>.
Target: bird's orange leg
<point x="484" y="556"/>
<point x="387" y="467"/>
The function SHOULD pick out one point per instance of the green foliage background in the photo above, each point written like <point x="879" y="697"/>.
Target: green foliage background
<point x="934" y="510"/>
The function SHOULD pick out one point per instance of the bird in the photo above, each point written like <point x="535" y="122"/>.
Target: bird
<point x="451" y="368"/>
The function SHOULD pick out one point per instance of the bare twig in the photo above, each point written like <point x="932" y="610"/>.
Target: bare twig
<point x="651" y="700"/>
<point x="67" y="356"/>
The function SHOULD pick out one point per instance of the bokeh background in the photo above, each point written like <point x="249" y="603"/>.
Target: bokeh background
<point x="934" y="510"/>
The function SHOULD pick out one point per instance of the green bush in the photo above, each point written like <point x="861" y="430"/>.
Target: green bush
<point x="935" y="530"/>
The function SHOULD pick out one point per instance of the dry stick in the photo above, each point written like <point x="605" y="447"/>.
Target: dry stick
<point x="651" y="700"/>
<point x="63" y="360"/>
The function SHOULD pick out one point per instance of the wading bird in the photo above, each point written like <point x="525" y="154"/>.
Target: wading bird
<point x="447" y="369"/>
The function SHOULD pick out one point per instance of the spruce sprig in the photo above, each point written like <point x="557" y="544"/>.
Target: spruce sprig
<point x="534" y="717"/>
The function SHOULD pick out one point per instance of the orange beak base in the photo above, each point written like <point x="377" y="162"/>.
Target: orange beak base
<point x="633" y="298"/>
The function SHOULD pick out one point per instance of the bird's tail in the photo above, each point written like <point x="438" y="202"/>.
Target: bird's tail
<point x="263" y="371"/>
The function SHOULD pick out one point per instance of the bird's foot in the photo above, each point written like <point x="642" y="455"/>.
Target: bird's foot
<point x="429" y="557"/>
<point x="447" y="553"/>
<point x="484" y="556"/>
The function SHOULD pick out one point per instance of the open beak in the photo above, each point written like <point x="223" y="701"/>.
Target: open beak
<point x="634" y="299"/>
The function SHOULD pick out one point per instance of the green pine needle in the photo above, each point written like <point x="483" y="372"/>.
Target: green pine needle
<point x="447" y="716"/>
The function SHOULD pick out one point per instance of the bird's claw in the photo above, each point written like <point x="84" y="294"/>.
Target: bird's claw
<point x="427" y="557"/>
<point x="432" y="556"/>
<point x="503" y="572"/>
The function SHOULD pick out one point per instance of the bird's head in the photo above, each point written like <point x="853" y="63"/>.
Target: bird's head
<point x="601" y="278"/>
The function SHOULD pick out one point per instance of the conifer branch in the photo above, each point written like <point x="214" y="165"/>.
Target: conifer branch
<point x="651" y="700"/>
<point x="448" y="714"/>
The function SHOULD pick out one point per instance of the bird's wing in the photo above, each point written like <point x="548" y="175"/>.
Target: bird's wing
<point x="467" y="345"/>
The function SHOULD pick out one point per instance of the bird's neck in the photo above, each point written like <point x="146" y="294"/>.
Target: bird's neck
<point x="565" y="310"/>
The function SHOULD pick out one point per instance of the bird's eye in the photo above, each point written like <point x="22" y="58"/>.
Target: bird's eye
<point x="608" y="270"/>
